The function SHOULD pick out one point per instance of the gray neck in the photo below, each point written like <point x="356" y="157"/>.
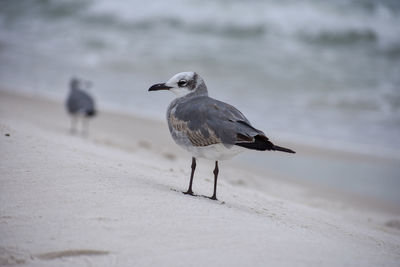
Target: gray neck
<point x="201" y="89"/>
<point x="74" y="85"/>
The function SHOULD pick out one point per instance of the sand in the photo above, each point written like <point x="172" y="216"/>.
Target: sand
<point x="113" y="199"/>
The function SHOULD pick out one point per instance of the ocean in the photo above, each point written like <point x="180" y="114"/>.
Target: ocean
<point x="321" y="73"/>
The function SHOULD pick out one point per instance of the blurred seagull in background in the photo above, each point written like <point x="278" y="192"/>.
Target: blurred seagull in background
<point x="209" y="128"/>
<point x="80" y="105"/>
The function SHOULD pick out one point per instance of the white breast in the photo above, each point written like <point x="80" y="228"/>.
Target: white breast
<point x="214" y="152"/>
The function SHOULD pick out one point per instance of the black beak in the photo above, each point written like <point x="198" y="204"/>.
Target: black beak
<point x="159" y="86"/>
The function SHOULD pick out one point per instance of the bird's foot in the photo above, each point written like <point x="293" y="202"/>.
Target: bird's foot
<point x="216" y="200"/>
<point x="189" y="192"/>
<point x="214" y="197"/>
<point x="194" y="195"/>
<point x="186" y="193"/>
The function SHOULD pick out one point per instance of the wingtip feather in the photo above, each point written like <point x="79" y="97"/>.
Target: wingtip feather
<point x="284" y="149"/>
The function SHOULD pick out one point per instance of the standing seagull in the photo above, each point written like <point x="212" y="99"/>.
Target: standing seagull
<point x="206" y="127"/>
<point x="80" y="104"/>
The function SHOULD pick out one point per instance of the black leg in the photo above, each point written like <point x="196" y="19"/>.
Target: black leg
<point x="85" y="126"/>
<point x="73" y="124"/>
<point x="189" y="191"/>
<point x="216" y="171"/>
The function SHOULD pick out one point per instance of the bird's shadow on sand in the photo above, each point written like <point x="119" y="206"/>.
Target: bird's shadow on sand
<point x="240" y="207"/>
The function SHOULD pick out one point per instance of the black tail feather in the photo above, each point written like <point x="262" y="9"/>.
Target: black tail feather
<point x="262" y="143"/>
<point x="283" y="149"/>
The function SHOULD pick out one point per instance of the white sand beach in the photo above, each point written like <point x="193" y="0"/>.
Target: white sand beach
<point x="114" y="199"/>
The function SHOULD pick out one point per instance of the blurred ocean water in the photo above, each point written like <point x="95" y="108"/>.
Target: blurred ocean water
<point x="316" y="72"/>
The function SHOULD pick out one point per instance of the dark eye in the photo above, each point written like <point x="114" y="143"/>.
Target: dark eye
<point x="182" y="83"/>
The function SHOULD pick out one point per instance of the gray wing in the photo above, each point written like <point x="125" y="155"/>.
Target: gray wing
<point x="206" y="121"/>
<point x="80" y="101"/>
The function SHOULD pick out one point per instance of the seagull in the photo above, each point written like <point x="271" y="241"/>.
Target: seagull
<point x="80" y="104"/>
<point x="209" y="128"/>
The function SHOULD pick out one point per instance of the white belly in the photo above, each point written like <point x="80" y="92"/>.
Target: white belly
<point x="214" y="152"/>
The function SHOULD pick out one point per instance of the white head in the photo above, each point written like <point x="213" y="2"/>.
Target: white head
<point x="183" y="84"/>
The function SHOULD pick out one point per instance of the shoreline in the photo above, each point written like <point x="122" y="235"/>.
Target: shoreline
<point x="305" y="147"/>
